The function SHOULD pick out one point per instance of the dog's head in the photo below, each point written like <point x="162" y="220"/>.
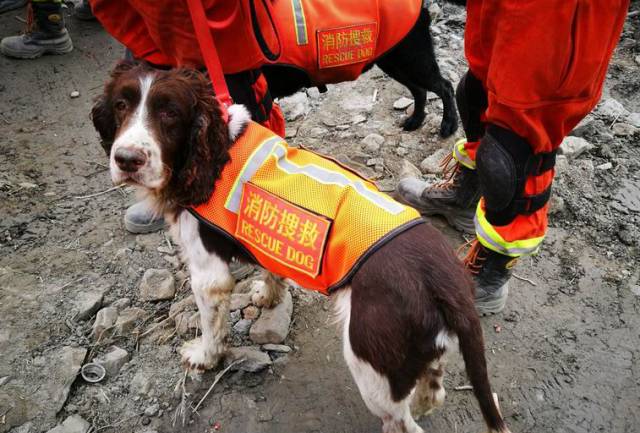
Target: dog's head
<point x="163" y="131"/>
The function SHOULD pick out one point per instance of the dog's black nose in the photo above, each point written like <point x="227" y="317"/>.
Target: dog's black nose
<point x="130" y="160"/>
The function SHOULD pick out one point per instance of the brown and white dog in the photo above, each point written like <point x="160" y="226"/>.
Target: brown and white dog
<point x="401" y="311"/>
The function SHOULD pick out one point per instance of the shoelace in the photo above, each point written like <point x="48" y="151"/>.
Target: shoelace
<point x="449" y="172"/>
<point x="30" y="19"/>
<point x="473" y="260"/>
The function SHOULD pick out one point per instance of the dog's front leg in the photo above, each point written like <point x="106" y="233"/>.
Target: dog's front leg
<point x="212" y="292"/>
<point x="212" y="283"/>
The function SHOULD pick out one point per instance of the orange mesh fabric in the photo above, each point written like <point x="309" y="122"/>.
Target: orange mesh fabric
<point x="361" y="217"/>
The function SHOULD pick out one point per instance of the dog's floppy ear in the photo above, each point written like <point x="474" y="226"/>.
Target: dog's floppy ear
<point x="104" y="121"/>
<point x="102" y="113"/>
<point x="207" y="149"/>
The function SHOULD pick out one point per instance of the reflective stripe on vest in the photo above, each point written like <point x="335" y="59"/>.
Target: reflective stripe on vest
<point x="298" y="214"/>
<point x="492" y="240"/>
<point x="300" y="22"/>
<point x="460" y="154"/>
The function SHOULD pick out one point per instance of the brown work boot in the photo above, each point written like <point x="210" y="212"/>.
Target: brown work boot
<point x="491" y="272"/>
<point x="455" y="198"/>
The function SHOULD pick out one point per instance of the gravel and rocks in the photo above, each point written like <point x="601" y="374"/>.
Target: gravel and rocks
<point x="431" y="164"/>
<point x="572" y="147"/>
<point x="254" y="359"/>
<point x="73" y="424"/>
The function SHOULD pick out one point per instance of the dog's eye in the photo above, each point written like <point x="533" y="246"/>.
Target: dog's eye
<point x="120" y="105"/>
<point x="168" y="114"/>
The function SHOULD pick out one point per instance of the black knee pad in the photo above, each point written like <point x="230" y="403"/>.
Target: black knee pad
<point x="471" y="99"/>
<point x="504" y="162"/>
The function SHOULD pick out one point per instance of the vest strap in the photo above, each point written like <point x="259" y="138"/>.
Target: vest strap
<point x="210" y="55"/>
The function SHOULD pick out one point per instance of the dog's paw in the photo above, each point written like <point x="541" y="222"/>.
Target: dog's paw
<point x="197" y="358"/>
<point x="448" y="127"/>
<point x="412" y="122"/>
<point x="263" y="296"/>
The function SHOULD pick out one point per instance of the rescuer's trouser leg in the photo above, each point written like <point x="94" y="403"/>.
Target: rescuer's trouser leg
<point x="543" y="65"/>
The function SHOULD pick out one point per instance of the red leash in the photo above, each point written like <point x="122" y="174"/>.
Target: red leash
<point x="210" y="55"/>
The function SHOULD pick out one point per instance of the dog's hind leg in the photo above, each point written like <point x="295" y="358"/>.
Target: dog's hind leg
<point x="269" y="291"/>
<point x="429" y="393"/>
<point x="413" y="63"/>
<point x="373" y="386"/>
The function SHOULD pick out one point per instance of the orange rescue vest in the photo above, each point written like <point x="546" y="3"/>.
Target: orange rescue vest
<point x="298" y="214"/>
<point x="331" y="40"/>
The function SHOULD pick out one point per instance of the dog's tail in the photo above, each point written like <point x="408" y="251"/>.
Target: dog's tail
<point x="466" y="324"/>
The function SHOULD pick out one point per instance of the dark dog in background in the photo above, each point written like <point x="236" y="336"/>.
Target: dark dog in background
<point x="412" y="63"/>
<point x="401" y="311"/>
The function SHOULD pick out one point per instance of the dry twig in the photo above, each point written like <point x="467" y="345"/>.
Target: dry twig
<point x="518" y="277"/>
<point x="115" y="188"/>
<point x="463" y="388"/>
<point x="216" y="380"/>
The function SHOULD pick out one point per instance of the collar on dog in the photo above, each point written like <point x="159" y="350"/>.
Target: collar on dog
<point x="210" y="54"/>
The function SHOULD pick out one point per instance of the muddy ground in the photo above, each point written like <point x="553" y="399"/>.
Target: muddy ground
<point x="564" y="356"/>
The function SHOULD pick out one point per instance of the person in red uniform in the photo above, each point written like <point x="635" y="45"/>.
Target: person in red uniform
<point x="162" y="35"/>
<point x="536" y="68"/>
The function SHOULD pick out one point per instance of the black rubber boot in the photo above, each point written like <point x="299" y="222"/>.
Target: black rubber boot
<point x="49" y="35"/>
<point x="491" y="272"/>
<point x="455" y="198"/>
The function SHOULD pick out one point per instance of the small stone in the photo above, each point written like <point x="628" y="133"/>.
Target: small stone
<point x="242" y="326"/>
<point x="290" y="132"/>
<point x="318" y="132"/>
<point x="254" y="359"/>
<point x="4" y="379"/>
<point x="113" y="360"/>
<point x="409" y="170"/>
<point x="572" y="147"/>
<point x="410" y="141"/>
<point x="182" y="322"/>
<point x="556" y="205"/>
<point x="27" y="185"/>
<point x="402" y="103"/>
<point x="431" y="164"/>
<point x="234" y="316"/>
<point x="313" y="92"/>
<point x="401" y="151"/>
<point x="24" y="428"/>
<point x="127" y="320"/>
<point x="624" y="129"/>
<point x="74" y="94"/>
<point x="343" y="127"/>
<point x="280" y="348"/>
<point x="152" y="410"/>
<point x="105" y="319"/>
<point x="637" y="59"/>
<point x="251" y="312"/>
<point x="612" y="109"/>
<point x="635" y="289"/>
<point x="145" y="420"/>
<point x="273" y="324"/>
<point x="634" y="119"/>
<point x="157" y="285"/>
<point x="373" y="142"/>
<point x="375" y="161"/>
<point x="87" y="303"/>
<point x="121" y="303"/>
<point x="605" y="166"/>
<point x="358" y="118"/>
<point x="141" y="384"/>
<point x="239" y="301"/>
<point x="434" y="10"/>
<point x="295" y="106"/>
<point x="73" y="424"/>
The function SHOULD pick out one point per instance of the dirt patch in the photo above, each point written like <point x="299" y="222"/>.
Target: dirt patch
<point x="566" y="356"/>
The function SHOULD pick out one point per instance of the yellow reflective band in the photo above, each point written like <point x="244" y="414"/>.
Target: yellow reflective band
<point x="300" y="21"/>
<point x="460" y="154"/>
<point x="492" y="240"/>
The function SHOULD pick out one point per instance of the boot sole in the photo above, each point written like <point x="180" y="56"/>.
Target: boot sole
<point x="489" y="308"/>
<point x="140" y="229"/>
<point x="64" y="48"/>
